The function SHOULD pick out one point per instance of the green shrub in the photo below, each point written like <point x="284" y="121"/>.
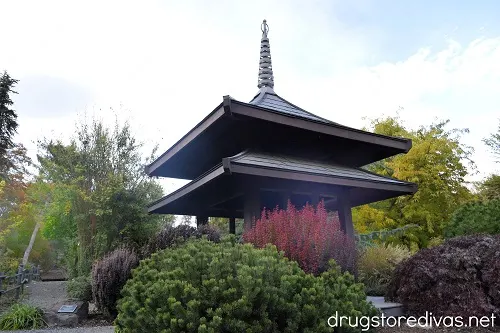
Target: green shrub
<point x="202" y="286"/>
<point x="109" y="276"/>
<point x="474" y="218"/>
<point x="80" y="288"/>
<point x="376" y="265"/>
<point x="111" y="272"/>
<point x="22" y="317"/>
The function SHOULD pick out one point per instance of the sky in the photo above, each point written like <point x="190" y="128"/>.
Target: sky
<point x="164" y="65"/>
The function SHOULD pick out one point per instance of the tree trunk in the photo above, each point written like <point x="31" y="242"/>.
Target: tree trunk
<point x="32" y="241"/>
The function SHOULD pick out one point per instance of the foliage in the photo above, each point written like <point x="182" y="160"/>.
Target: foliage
<point x="457" y="278"/>
<point x="222" y="224"/>
<point x="489" y="189"/>
<point x="22" y="317"/>
<point x="109" y="276"/>
<point x="376" y="265"/>
<point x="437" y="163"/>
<point x="99" y="193"/>
<point x="307" y="236"/>
<point x="110" y="273"/>
<point x="80" y="288"/>
<point x="493" y="142"/>
<point x="8" y="116"/>
<point x="171" y="236"/>
<point x="202" y="286"/>
<point x="382" y="236"/>
<point x="19" y="222"/>
<point x="475" y="217"/>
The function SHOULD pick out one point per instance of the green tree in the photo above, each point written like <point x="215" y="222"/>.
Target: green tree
<point x="100" y="193"/>
<point x="489" y="189"/>
<point x="493" y="142"/>
<point x="437" y="163"/>
<point x="475" y="217"/>
<point x="8" y="116"/>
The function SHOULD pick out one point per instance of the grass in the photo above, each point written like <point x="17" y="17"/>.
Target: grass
<point x="22" y="316"/>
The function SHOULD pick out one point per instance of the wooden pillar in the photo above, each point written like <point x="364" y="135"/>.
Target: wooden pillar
<point x="201" y="220"/>
<point x="345" y="213"/>
<point x="232" y="225"/>
<point x="251" y="205"/>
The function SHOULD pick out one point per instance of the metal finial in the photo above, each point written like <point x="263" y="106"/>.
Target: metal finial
<point x="264" y="28"/>
<point x="266" y="78"/>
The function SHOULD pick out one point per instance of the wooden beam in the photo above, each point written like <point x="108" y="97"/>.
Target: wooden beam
<point x="345" y="214"/>
<point x="251" y="205"/>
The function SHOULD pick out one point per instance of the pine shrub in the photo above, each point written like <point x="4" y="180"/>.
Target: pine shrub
<point x="203" y="286"/>
<point x="109" y="276"/>
<point x="376" y="265"/>
<point x="308" y="236"/>
<point x="461" y="277"/>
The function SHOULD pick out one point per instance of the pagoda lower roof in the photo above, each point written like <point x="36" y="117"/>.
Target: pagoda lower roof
<point x="219" y="191"/>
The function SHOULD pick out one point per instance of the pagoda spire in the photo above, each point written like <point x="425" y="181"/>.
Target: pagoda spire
<point x="266" y="78"/>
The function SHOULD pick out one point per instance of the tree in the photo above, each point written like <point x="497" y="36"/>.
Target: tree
<point x="437" y="163"/>
<point x="493" y="141"/>
<point x="100" y="192"/>
<point x="489" y="189"/>
<point x="475" y="217"/>
<point x="8" y="117"/>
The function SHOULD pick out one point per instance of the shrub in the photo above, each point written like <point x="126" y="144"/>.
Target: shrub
<point x="171" y="236"/>
<point x="202" y="286"/>
<point x="376" y="265"/>
<point x="307" y="236"/>
<point x="110" y="273"/>
<point x="80" y="288"/>
<point x="109" y="276"/>
<point x="475" y="217"/>
<point x="22" y="317"/>
<point x="458" y="278"/>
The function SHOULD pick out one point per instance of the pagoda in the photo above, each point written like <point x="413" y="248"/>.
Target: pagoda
<point x="244" y="157"/>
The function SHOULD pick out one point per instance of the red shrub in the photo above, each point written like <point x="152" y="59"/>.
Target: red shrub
<point x="307" y="236"/>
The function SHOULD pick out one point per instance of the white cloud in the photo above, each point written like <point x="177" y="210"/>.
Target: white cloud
<point x="170" y="63"/>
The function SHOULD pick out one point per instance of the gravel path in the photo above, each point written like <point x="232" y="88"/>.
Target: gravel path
<point x="45" y="295"/>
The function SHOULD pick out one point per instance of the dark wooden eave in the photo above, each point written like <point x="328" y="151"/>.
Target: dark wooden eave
<point x="212" y="193"/>
<point x="235" y="126"/>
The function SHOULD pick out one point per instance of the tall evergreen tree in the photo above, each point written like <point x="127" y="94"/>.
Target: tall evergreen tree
<point x="8" y="116"/>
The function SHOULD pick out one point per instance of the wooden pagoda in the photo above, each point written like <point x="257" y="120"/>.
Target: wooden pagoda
<point x="244" y="157"/>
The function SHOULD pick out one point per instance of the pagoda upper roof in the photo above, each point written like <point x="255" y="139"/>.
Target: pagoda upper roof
<point x="282" y="128"/>
<point x="268" y="99"/>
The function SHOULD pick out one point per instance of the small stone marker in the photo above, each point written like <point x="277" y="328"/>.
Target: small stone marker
<point x="67" y="308"/>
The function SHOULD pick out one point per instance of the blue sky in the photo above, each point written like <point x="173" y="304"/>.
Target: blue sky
<point x="343" y="60"/>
